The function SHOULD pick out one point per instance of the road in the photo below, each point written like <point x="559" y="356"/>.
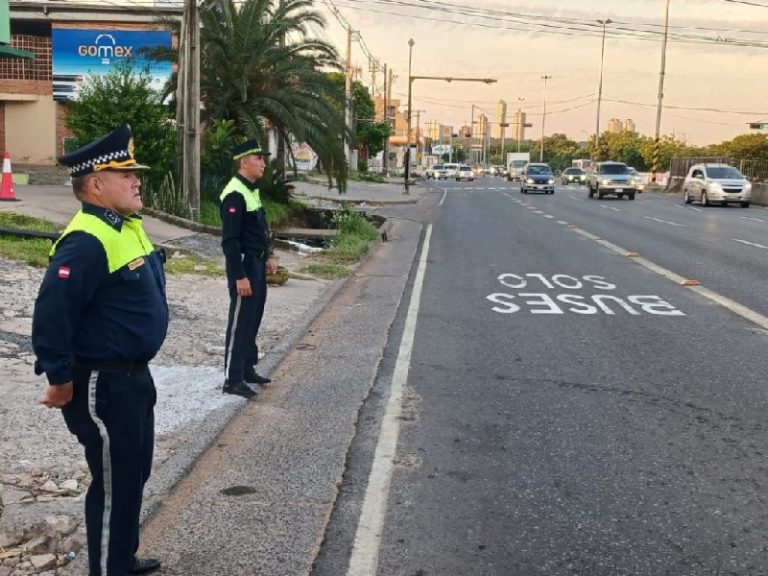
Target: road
<point x="558" y="397"/>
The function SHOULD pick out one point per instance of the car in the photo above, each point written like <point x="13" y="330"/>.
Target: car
<point x="450" y="169"/>
<point x="464" y="172"/>
<point x="610" y="178"/>
<point x="710" y="183"/>
<point x="437" y="172"/>
<point x="537" y="177"/>
<point x="638" y="179"/>
<point x="573" y="174"/>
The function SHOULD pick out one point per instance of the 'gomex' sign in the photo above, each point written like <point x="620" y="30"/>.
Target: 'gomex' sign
<point x="77" y="53"/>
<point x="563" y="293"/>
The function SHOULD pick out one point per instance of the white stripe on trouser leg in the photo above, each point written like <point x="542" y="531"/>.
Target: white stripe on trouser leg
<point x="106" y="472"/>
<point x="235" y="316"/>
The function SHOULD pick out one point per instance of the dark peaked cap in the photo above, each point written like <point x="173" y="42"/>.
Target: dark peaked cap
<point x="111" y="152"/>
<point x="251" y="146"/>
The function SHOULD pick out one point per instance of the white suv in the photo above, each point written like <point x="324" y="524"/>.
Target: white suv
<point x="611" y="178"/>
<point x="721" y="183"/>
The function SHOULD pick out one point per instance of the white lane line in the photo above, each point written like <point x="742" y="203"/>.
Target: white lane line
<point x="563" y="222"/>
<point x="695" y="209"/>
<point x="610" y="208"/>
<point x="548" y="216"/>
<point x="732" y="305"/>
<point x="538" y="212"/>
<point x="665" y="221"/>
<point x="751" y="218"/>
<point x="364" y="559"/>
<point x="445" y="193"/>
<point x="750" y="243"/>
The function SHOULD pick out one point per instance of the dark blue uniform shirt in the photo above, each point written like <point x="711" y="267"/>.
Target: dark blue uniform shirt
<point x="242" y="232"/>
<point x="84" y="311"/>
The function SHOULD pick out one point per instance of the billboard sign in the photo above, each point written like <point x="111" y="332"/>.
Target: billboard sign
<point x="440" y="149"/>
<point x="78" y="53"/>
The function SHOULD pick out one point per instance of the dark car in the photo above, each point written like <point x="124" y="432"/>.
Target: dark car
<point x="576" y="175"/>
<point x="537" y="177"/>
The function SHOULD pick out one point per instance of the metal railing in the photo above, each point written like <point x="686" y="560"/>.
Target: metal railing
<point x="754" y="170"/>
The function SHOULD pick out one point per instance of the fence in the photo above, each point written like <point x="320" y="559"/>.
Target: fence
<point x="754" y="170"/>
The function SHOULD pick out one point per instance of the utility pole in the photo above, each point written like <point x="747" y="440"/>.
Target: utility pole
<point x="472" y="135"/>
<point x="655" y="166"/>
<point x="188" y="114"/>
<point x="596" y="156"/>
<point x="348" y="95"/>
<point x="418" y="116"/>
<point x="385" y="152"/>
<point x="543" y="117"/>
<point x="373" y="66"/>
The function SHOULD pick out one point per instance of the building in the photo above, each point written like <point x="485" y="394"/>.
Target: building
<point x="615" y="126"/>
<point x="501" y="119"/>
<point x="629" y="125"/>
<point x="519" y="125"/>
<point x="69" y="41"/>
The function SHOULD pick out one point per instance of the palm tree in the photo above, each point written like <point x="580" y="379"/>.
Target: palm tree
<point x="262" y="67"/>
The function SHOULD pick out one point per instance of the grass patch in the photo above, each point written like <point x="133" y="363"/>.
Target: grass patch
<point x="366" y="177"/>
<point x="356" y="234"/>
<point x="190" y="263"/>
<point x="325" y="270"/>
<point x="278" y="213"/>
<point x="33" y="251"/>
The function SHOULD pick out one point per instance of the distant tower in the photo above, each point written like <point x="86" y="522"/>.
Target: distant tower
<point x="501" y="118"/>
<point x="520" y="126"/>
<point x="629" y="125"/>
<point x="615" y="126"/>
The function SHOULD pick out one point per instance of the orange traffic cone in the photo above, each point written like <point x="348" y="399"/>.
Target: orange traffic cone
<point x="6" y="186"/>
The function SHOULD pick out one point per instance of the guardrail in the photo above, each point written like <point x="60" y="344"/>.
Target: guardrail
<point x="754" y="170"/>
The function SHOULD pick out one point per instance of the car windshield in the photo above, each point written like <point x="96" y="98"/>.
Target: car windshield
<point x="724" y="172"/>
<point x="538" y="169"/>
<point x="465" y="168"/>
<point x="437" y="167"/>
<point x="576" y="171"/>
<point x="614" y="169"/>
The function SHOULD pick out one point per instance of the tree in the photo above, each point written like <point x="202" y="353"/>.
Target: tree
<point x="744" y="147"/>
<point x="122" y="96"/>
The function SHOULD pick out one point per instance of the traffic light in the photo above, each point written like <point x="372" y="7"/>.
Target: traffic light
<point x="757" y="125"/>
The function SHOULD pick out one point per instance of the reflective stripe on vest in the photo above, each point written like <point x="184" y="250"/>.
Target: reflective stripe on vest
<point x="122" y="247"/>
<point x="252" y="197"/>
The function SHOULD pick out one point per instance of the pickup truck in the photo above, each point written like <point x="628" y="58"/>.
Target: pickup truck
<point x="606" y="178"/>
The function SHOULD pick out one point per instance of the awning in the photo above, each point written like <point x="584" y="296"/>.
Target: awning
<point x="11" y="52"/>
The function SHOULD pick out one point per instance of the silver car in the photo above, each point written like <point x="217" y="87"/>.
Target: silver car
<point x="721" y="183"/>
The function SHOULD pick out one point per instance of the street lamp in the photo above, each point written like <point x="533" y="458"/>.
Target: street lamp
<point x="408" y="138"/>
<point x="596" y="155"/>
<point x="543" y="117"/>
<point x="443" y="78"/>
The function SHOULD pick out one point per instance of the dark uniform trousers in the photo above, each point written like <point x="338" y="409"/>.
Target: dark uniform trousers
<point x="112" y="415"/>
<point x="245" y="313"/>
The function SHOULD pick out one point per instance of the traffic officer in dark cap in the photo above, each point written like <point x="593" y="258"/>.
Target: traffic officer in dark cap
<point x="246" y="245"/>
<point x="100" y="317"/>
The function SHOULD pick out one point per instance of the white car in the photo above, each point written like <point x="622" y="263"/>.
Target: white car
<point x="716" y="183"/>
<point x="437" y="172"/>
<point x="465" y="172"/>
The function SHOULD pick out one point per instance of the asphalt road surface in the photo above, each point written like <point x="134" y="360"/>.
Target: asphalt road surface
<point x="558" y="397"/>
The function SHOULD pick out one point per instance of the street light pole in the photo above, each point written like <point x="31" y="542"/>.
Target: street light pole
<point x="655" y="166"/>
<point x="543" y="117"/>
<point x="407" y="170"/>
<point x="596" y="154"/>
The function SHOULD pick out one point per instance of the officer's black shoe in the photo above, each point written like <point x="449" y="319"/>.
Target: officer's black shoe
<point x="144" y="565"/>
<point x="238" y="389"/>
<point x="251" y="377"/>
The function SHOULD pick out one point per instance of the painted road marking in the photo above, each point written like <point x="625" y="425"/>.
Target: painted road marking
<point x="665" y="221"/>
<point x="364" y="558"/>
<point x="752" y="218"/>
<point x="610" y="208"/>
<point x="750" y="243"/>
<point x="563" y="222"/>
<point x="594" y="301"/>
<point x="445" y="193"/>
<point x="548" y="216"/>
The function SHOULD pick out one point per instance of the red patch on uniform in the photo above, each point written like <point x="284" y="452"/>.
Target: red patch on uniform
<point x="64" y="272"/>
<point x="232" y="210"/>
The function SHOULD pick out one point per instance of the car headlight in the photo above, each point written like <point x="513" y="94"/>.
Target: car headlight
<point x="529" y="181"/>
<point x="605" y="182"/>
<point x="551" y="181"/>
<point x="748" y="187"/>
<point x="715" y="186"/>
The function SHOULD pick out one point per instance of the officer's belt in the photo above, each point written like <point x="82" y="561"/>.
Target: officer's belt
<point x="123" y="366"/>
<point x="261" y="254"/>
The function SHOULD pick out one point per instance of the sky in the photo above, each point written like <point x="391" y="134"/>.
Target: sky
<point x="715" y="79"/>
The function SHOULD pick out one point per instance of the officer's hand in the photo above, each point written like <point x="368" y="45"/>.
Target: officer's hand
<point x="57" y="396"/>
<point x="271" y="265"/>
<point x="243" y="287"/>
